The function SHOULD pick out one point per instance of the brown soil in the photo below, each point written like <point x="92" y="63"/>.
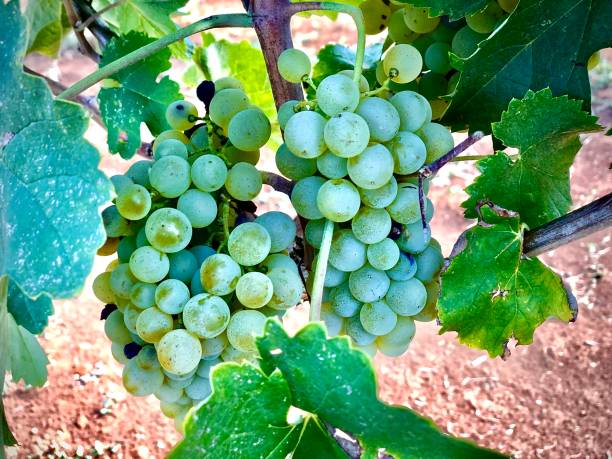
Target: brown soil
<point x="548" y="400"/>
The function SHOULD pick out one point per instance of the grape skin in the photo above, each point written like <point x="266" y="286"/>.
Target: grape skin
<point x="403" y="63"/>
<point x="206" y="316"/>
<point x="243" y="182"/>
<point x="179" y="352"/>
<point x="293" y="167"/>
<point x="249" y="244"/>
<point x="381" y="117"/>
<point x="346" y="134"/>
<point x="347" y="253"/>
<point x="338" y="200"/>
<point x="219" y="274"/>
<point x="373" y="168"/>
<point x="304" y="197"/>
<point x="243" y="327"/>
<point x="371" y="225"/>
<point x="304" y="134"/>
<point x="254" y="290"/>
<point x="336" y="94"/>
<point x="377" y="318"/>
<point x="406" y="298"/>
<point x="293" y="65"/>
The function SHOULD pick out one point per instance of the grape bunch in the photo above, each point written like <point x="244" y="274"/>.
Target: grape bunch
<point x="354" y="157"/>
<point x="196" y="274"/>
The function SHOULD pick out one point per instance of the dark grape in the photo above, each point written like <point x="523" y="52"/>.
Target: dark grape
<point x="205" y="92"/>
<point x="131" y="350"/>
<point x="106" y="311"/>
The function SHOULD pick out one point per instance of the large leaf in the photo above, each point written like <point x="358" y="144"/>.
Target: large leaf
<point x="544" y="43"/>
<point x="45" y="20"/>
<point x="136" y="95"/>
<point x="50" y="185"/>
<point x="6" y="436"/>
<point x="33" y="315"/>
<point x="491" y="293"/>
<point x="454" y="9"/>
<point x="545" y="129"/>
<point x="27" y="358"/>
<point x="334" y="58"/>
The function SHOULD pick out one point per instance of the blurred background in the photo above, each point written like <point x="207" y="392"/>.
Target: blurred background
<point x="548" y="400"/>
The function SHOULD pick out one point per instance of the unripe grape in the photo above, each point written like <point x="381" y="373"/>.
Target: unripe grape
<point x="293" y="65"/>
<point x="304" y="197"/>
<point x="304" y="134"/>
<point x="225" y="104"/>
<point x="377" y="318"/>
<point x="219" y="274"/>
<point x="376" y="15"/>
<point x="254" y="290"/>
<point x="249" y="129"/>
<point x="134" y="202"/>
<point x="286" y="111"/>
<point x="206" y="316"/>
<point x="168" y="230"/>
<point x="243" y="182"/>
<point x="171" y="147"/>
<point x="208" y="173"/>
<point x="153" y="324"/>
<point x="181" y="115"/>
<point x="373" y="168"/>
<point x="418" y="20"/>
<point x="346" y="134"/>
<point x="179" y="352"/>
<point x="337" y="94"/>
<point x="243" y="327"/>
<point x="338" y="200"/>
<point x="438" y="140"/>
<point x="381" y="116"/>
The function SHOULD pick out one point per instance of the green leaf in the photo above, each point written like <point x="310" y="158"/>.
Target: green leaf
<point x="546" y="130"/>
<point x="45" y="25"/>
<point x="50" y="185"/>
<point x="544" y="43"/>
<point x="490" y="292"/>
<point x="332" y="59"/>
<point x="327" y="377"/>
<point x="31" y="314"/>
<point x="6" y="436"/>
<point x="454" y="9"/>
<point x="27" y="358"/>
<point x="138" y="96"/>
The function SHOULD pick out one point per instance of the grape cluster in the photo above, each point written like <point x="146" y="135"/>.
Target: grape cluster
<point x="433" y="38"/>
<point x="354" y="157"/>
<point x="197" y="274"/>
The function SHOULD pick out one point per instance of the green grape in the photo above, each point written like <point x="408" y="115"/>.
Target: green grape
<point x="149" y="264"/>
<point x="142" y="295"/>
<point x="249" y="129"/>
<point x="429" y="263"/>
<point x="304" y="197"/>
<point x="287" y="288"/>
<point x="199" y="389"/>
<point x="118" y="354"/>
<point x="141" y="238"/>
<point x="381" y="77"/>
<point x="121" y="303"/>
<point x="381" y="118"/>
<point x="243" y="182"/>
<point x="396" y="342"/>
<point x="201" y="253"/>
<point x="333" y="277"/>
<point x="102" y="288"/>
<point x="402" y="63"/>
<point x="120" y="183"/>
<point x="293" y="65"/>
<point x="343" y="302"/>
<point x="347" y="253"/>
<point x="337" y="94"/>
<point x="413" y="109"/>
<point x="234" y="155"/>
<point x="286" y="111"/>
<point x="125" y="248"/>
<point x="377" y="318"/>
<point x="169" y="230"/>
<point x="406" y="298"/>
<point x="179" y="381"/>
<point x="249" y="244"/>
<point x="376" y="15"/>
<point x="405" y="207"/>
<point x="437" y="59"/>
<point x="383" y="255"/>
<point x="404" y="269"/>
<point x="413" y="238"/>
<point x="179" y="352"/>
<point x="346" y="134"/>
<point x="168" y="394"/>
<point x="243" y="327"/>
<point x="228" y="82"/>
<point x="219" y="274"/>
<point x="438" y="140"/>
<point x="130" y="315"/>
<point x="358" y="334"/>
<point x="134" y="202"/>
<point x="170" y="176"/>
<point x="445" y="32"/>
<point x="418" y="19"/>
<point x="364" y="86"/>
<point x="181" y="115"/>
<point x="430" y="311"/>
<point x="140" y="382"/>
<point x="115" y="329"/>
<point x="314" y="232"/>
<point x="338" y="200"/>
<point x="594" y="60"/>
<point x="171" y="134"/>
<point x="208" y="173"/>
<point x="280" y="227"/>
<point x="254" y="290"/>
<point x="399" y="32"/>
<point x="508" y="5"/>
<point x="152" y="324"/>
<point x="379" y="198"/>
<point x="171" y="147"/>
<point x="370" y="349"/>
<point x="122" y="280"/>
<point x="304" y="134"/>
<point x="109" y="247"/>
<point x="183" y="264"/>
<point x="206" y="316"/>
<point x="225" y="104"/>
<point x="332" y="166"/>
<point x="205" y="367"/>
<point x="139" y="172"/>
<point x="368" y="284"/>
<point x="333" y="323"/>
<point x="371" y="169"/>
<point x="171" y="296"/>
<point x="465" y="42"/>
<point x="147" y="358"/>
<point x="114" y="224"/>
<point x="432" y="86"/>
<point x="294" y="167"/>
<point x="408" y="151"/>
<point x="279" y="260"/>
<point x="199" y="207"/>
<point x="212" y="348"/>
<point x="199" y="139"/>
<point x="484" y="21"/>
<point x="371" y="225"/>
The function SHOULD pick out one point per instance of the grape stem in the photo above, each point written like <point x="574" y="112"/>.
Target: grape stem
<point x="320" y="271"/>
<point x="430" y="169"/>
<point x="376" y="91"/>
<point x="80" y="26"/>
<point x="74" y="20"/>
<point x="278" y="182"/>
<point x="211" y="22"/>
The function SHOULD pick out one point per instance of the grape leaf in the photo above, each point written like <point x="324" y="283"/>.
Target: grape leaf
<point x="544" y="43"/>
<point x="136" y="96"/>
<point x="454" y="9"/>
<point x="546" y="130"/>
<point x="332" y="59"/>
<point x="491" y="293"/>
<point x="327" y="377"/>
<point x="50" y="185"/>
<point x="6" y="436"/>
<point x="33" y="315"/>
<point x="27" y="358"/>
<point x="47" y="25"/>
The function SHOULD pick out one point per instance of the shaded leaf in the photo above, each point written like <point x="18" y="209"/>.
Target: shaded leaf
<point x="490" y="293"/>
<point x="454" y="9"/>
<point x="138" y="96"/>
<point x="46" y="25"/>
<point x="27" y="358"/>
<point x="546" y="130"/>
<point x="33" y="315"/>
<point x="6" y="436"/>
<point x="332" y="59"/>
